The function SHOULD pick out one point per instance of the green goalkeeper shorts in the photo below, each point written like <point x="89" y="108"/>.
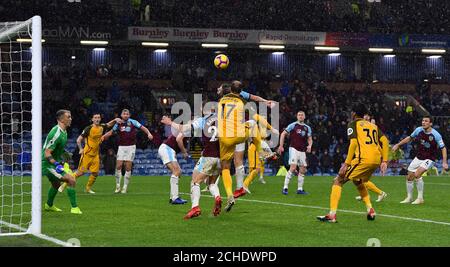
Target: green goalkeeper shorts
<point x="52" y="175"/>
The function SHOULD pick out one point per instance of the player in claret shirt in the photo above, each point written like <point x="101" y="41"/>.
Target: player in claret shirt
<point x="168" y="151"/>
<point x="127" y="130"/>
<point x="208" y="167"/>
<point x="430" y="142"/>
<point x="300" y="143"/>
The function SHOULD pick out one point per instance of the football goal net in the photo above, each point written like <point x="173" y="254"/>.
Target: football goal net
<point x="20" y="127"/>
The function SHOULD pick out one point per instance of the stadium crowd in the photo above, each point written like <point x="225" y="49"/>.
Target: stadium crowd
<point x="418" y="16"/>
<point x="327" y="110"/>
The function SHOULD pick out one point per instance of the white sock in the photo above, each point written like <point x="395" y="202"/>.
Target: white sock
<point x="301" y="180"/>
<point x="195" y="194"/>
<point x="420" y="185"/>
<point x="261" y="175"/>
<point x="217" y="180"/>
<point x="409" y="188"/>
<point x="214" y="190"/>
<point x="118" y="177"/>
<point x="240" y="173"/>
<point x="126" y="180"/>
<point x="173" y="187"/>
<point x="287" y="179"/>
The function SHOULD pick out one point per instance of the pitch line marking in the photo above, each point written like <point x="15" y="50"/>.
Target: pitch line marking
<point x="41" y="236"/>
<point x="300" y="206"/>
<point x="340" y="210"/>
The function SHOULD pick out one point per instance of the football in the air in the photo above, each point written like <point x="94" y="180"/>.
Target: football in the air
<point x="221" y="61"/>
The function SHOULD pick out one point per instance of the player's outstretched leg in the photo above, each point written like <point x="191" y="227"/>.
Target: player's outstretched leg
<point x="287" y="178"/>
<point x="127" y="177"/>
<point x="301" y="181"/>
<point x="174" y="178"/>
<point x="195" y="199"/>
<point x="372" y="187"/>
<point x="335" y="196"/>
<point x="228" y="184"/>
<point x="251" y="176"/>
<point x="71" y="193"/>
<point x="240" y="175"/>
<point x="261" y="173"/>
<point x="214" y="190"/>
<point x="52" y="192"/>
<point x="409" y="188"/>
<point x="118" y="180"/>
<point x="366" y="199"/>
<point x="91" y="182"/>
<point x="63" y="186"/>
<point x="420" y="186"/>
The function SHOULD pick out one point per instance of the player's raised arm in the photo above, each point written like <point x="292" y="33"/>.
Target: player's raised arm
<point x="402" y="142"/>
<point x="256" y="98"/>
<point x="146" y="131"/>
<point x="111" y="123"/>
<point x="138" y="125"/>
<point x="180" y="143"/>
<point x="179" y="127"/>
<point x="107" y="135"/>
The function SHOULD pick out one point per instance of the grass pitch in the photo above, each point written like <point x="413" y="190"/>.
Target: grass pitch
<point x="143" y="217"/>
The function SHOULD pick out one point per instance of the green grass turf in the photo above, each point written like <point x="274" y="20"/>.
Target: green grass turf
<point x="143" y="217"/>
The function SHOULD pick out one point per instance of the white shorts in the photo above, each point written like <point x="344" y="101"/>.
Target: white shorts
<point x="208" y="165"/>
<point x="240" y="147"/>
<point x="167" y="154"/>
<point x="416" y="163"/>
<point x="126" y="153"/>
<point x="297" y="157"/>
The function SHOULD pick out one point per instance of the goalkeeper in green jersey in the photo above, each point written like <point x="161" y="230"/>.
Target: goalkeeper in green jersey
<point x="53" y="154"/>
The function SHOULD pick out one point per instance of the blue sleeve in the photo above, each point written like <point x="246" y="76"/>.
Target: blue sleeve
<point x="136" y="123"/>
<point x="309" y="131"/>
<point x="245" y="95"/>
<point x="199" y="123"/>
<point x="438" y="138"/>
<point x="115" y="127"/>
<point x="416" y="132"/>
<point x="290" y="127"/>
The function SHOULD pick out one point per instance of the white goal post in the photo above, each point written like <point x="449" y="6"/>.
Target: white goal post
<point x="20" y="127"/>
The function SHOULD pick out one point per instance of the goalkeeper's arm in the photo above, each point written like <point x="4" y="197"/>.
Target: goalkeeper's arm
<point x="48" y="156"/>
